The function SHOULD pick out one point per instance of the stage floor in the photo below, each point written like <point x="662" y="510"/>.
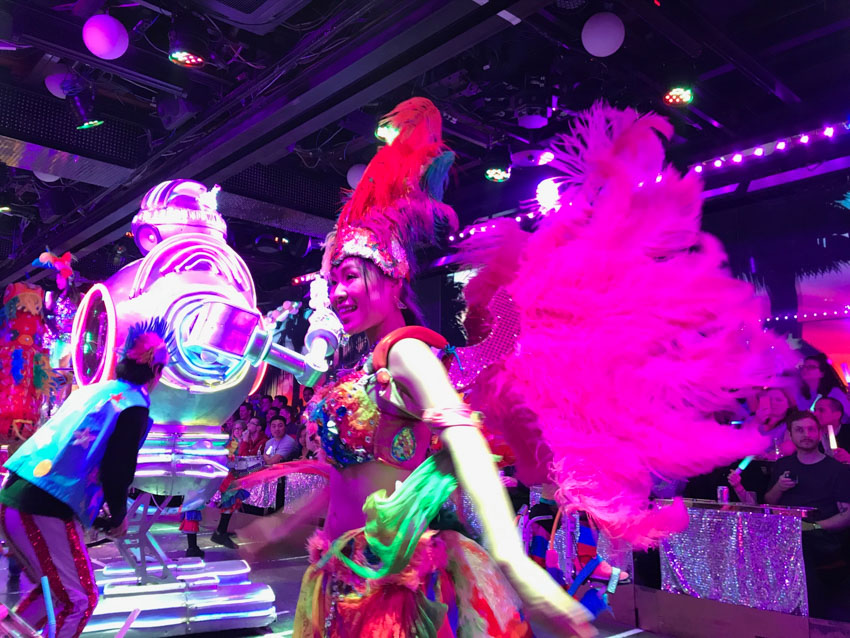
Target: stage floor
<point x="282" y="573"/>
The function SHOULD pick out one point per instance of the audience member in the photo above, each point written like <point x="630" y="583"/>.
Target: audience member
<point x="748" y="497"/>
<point x="819" y="379"/>
<point x="271" y="413"/>
<point x="809" y="478"/>
<point x="830" y="412"/>
<point x="281" y="447"/>
<point x="774" y="405"/>
<point x="245" y="412"/>
<point x="253" y="439"/>
<point x="311" y="446"/>
<point x="236" y="433"/>
<point x="280" y="402"/>
<point x="265" y="403"/>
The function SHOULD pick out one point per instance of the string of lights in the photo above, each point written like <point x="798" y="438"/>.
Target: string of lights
<point x="781" y="144"/>
<point x="305" y="279"/>
<point x="821" y="315"/>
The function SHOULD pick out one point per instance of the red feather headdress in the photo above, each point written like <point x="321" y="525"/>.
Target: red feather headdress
<point x="396" y="205"/>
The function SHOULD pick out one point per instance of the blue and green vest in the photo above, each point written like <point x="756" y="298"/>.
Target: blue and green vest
<point x="63" y="457"/>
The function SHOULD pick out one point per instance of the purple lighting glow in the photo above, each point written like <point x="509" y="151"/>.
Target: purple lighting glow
<point x="758" y="152"/>
<point x="829" y="131"/>
<point x="780" y="146"/>
<point x="718" y="163"/>
<point x="698" y="168"/>
<point x="737" y="158"/>
<point x="804" y="139"/>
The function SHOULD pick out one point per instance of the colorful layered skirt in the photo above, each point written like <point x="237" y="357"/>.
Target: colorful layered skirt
<point x="450" y="587"/>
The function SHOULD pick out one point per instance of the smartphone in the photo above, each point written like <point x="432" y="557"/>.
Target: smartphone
<point x="791" y="475"/>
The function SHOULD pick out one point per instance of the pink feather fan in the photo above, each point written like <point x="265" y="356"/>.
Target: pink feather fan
<point x="633" y="332"/>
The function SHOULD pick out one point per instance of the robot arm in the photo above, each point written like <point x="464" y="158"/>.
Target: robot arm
<point x="225" y="330"/>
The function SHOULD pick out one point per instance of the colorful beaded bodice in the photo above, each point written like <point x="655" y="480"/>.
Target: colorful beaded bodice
<point x="362" y="417"/>
<point x="347" y="418"/>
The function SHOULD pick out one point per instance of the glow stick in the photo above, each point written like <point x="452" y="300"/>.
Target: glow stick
<point x="48" y="606"/>
<point x="744" y="463"/>
<point x="127" y="623"/>
<point x="833" y="444"/>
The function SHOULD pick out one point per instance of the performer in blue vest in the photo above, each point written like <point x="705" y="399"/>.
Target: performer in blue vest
<point x="59" y="479"/>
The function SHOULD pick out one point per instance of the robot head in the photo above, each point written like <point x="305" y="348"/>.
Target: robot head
<point x="174" y="207"/>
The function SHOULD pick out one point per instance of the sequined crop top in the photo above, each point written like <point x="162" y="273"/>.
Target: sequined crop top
<point x="362" y="417"/>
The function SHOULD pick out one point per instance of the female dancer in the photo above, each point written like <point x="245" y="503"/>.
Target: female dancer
<point x="376" y="572"/>
<point x="581" y="287"/>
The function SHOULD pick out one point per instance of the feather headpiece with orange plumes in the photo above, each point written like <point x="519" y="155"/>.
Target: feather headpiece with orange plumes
<point x="397" y="203"/>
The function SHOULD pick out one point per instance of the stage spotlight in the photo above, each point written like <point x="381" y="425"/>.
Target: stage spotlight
<point x="497" y="164"/>
<point x="678" y="96"/>
<point x="175" y="111"/>
<point x="82" y="108"/>
<point x="270" y="243"/>
<point x="548" y="195"/>
<point x="187" y="42"/>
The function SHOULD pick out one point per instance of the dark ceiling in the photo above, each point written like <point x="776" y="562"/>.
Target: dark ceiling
<point x="294" y="88"/>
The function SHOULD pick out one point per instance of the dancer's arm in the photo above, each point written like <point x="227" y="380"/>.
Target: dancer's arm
<point x="420" y="373"/>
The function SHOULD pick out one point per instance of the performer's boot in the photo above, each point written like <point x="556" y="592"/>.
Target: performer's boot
<point x="586" y="552"/>
<point x="193" y="551"/>
<point x="220" y="535"/>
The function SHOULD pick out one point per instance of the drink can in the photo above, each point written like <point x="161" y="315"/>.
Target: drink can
<point x="722" y="494"/>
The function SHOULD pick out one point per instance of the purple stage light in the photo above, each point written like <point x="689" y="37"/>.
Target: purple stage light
<point x="758" y="152"/>
<point x="737" y="158"/>
<point x="780" y="146"/>
<point x="829" y="131"/>
<point x="718" y="163"/>
<point x="698" y="168"/>
<point x="804" y="138"/>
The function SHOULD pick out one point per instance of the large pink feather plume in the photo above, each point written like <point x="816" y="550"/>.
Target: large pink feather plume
<point x="633" y="332"/>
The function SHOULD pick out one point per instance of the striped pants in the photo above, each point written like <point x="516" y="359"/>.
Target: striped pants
<point x="48" y="546"/>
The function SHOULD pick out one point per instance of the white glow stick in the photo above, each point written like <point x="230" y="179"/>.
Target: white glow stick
<point x="833" y="444"/>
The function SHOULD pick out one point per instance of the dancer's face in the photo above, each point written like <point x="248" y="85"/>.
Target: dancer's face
<point x="361" y="295"/>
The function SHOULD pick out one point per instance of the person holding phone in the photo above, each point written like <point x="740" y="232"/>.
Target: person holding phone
<point x="809" y="478"/>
